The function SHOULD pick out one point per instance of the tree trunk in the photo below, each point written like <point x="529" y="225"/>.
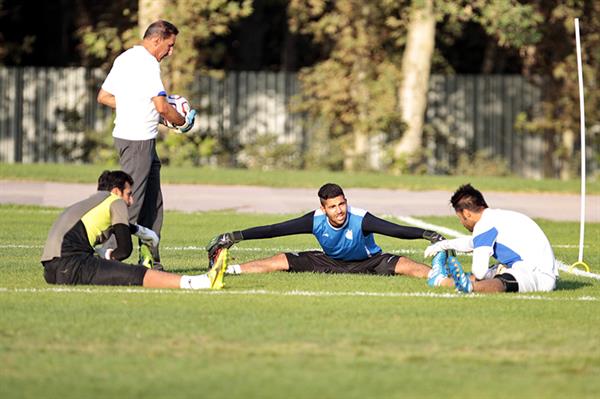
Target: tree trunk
<point x="148" y="12"/>
<point x="569" y="154"/>
<point x="416" y="65"/>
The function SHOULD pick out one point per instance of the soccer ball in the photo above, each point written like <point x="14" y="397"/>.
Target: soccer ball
<point x="180" y="104"/>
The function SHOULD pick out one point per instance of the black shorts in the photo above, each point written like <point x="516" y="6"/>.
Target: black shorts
<point x="509" y="281"/>
<point x="92" y="270"/>
<point x="318" y="262"/>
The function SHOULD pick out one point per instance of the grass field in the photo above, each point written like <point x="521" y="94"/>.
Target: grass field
<point x="289" y="335"/>
<point x="299" y="178"/>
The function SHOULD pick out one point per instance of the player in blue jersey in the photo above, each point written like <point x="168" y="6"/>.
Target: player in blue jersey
<point x="345" y="235"/>
<point x="525" y="258"/>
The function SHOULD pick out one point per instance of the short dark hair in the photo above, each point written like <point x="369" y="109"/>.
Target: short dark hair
<point x="161" y="28"/>
<point x="330" y="190"/>
<point x="468" y="197"/>
<point x="110" y="179"/>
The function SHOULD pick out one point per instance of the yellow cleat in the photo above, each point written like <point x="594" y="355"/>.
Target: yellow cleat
<point x="218" y="270"/>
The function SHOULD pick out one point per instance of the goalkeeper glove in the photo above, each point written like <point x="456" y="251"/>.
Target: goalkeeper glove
<point x="147" y="236"/>
<point x="460" y="244"/>
<point x="189" y="122"/>
<point x="225" y="240"/>
<point x="433" y="236"/>
<point x="433" y="249"/>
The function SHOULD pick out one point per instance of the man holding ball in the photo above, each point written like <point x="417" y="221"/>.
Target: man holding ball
<point x="135" y="89"/>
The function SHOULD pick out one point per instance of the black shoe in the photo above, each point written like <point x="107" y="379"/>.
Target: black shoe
<point x="157" y="266"/>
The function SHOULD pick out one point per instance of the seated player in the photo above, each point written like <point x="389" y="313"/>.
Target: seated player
<point x="345" y="235"/>
<point x="69" y="256"/>
<point x="526" y="261"/>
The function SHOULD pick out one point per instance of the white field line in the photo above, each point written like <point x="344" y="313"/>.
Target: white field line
<point x="237" y="249"/>
<point x="563" y="267"/>
<point x="293" y="293"/>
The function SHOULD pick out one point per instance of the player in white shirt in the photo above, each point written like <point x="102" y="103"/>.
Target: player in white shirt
<point x="525" y="258"/>
<point x="135" y="89"/>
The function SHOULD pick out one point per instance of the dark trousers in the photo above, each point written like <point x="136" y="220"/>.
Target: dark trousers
<point x="140" y="160"/>
<point x="89" y="269"/>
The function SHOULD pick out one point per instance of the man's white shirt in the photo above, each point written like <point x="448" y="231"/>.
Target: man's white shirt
<point x="134" y="79"/>
<point x="510" y="237"/>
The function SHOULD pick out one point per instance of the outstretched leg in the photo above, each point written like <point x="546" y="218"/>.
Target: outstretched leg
<point x="409" y="267"/>
<point x="275" y="263"/>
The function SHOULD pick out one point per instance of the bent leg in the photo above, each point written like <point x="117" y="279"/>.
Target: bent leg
<point x="409" y="267"/>
<point x="275" y="263"/>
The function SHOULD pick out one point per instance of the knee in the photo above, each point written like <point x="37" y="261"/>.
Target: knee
<point x="406" y="265"/>
<point x="280" y="261"/>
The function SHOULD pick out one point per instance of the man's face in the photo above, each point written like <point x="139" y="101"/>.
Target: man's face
<point x="336" y="210"/>
<point x="126" y="194"/>
<point x="164" y="47"/>
<point x="466" y="218"/>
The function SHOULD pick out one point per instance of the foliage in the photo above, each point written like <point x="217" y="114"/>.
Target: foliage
<point x="264" y="152"/>
<point x="352" y="92"/>
<point x="512" y="23"/>
<point x="198" y="21"/>
<point x="177" y="149"/>
<point x="554" y="58"/>
<point x="98" y="148"/>
<point x="482" y="163"/>
<point x="108" y="31"/>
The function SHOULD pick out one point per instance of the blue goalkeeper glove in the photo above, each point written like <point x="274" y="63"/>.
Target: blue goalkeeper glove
<point x="189" y="122"/>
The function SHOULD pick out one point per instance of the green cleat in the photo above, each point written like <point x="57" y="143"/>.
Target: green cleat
<point x="146" y="258"/>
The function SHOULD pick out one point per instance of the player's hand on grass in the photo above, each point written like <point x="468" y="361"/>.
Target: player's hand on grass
<point x="433" y="236"/>
<point x="189" y="122"/>
<point x="148" y="237"/>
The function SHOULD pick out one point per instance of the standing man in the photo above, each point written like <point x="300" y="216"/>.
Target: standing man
<point x="69" y="258"/>
<point x="135" y="89"/>
<point x="526" y="260"/>
<point x="345" y="235"/>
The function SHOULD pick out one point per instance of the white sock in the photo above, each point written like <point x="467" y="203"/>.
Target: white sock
<point x="195" y="282"/>
<point x="233" y="269"/>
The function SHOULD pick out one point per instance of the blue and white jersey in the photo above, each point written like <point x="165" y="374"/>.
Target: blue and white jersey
<point x="510" y="237"/>
<point x="346" y="242"/>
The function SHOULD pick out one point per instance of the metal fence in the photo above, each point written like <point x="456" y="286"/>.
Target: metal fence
<point x="41" y="108"/>
<point x="477" y="113"/>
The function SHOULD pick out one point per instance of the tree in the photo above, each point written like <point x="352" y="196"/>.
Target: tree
<point x="198" y="21"/>
<point x="553" y="58"/>
<point x="416" y="65"/>
<point x="351" y="93"/>
<point x="373" y="78"/>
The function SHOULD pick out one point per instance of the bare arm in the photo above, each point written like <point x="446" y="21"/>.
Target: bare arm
<point x="106" y="98"/>
<point x="167" y="111"/>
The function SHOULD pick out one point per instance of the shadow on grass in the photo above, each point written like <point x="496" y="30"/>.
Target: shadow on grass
<point x="188" y="271"/>
<point x="562" y="285"/>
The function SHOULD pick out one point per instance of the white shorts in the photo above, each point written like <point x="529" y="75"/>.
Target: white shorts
<point x="529" y="277"/>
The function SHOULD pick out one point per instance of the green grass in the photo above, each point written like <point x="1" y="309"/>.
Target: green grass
<point x="97" y="342"/>
<point x="298" y="178"/>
